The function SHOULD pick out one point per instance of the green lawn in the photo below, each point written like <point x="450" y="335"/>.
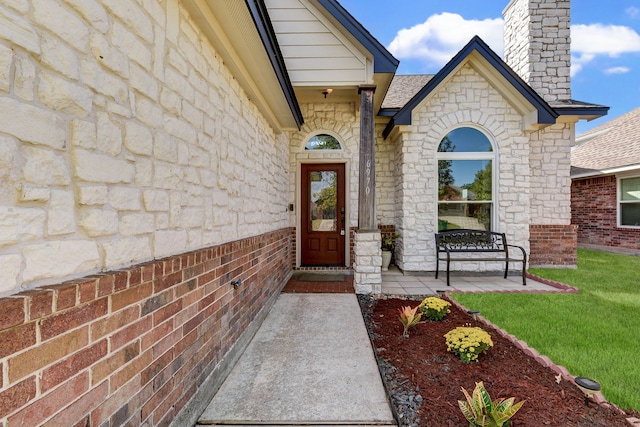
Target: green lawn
<point x="595" y="333"/>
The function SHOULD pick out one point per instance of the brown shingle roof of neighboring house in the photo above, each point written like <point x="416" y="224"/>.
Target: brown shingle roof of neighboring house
<point x="403" y="88"/>
<point x="610" y="146"/>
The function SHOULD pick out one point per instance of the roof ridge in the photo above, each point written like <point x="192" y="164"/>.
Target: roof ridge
<point x="611" y="123"/>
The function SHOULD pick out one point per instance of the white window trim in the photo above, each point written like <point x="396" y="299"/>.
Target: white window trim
<point x="474" y="155"/>
<point x="619" y="200"/>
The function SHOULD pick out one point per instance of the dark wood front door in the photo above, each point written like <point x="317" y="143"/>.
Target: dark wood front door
<point x="323" y="215"/>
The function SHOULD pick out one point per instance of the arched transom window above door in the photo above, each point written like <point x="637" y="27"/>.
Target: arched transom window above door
<point x="466" y="184"/>
<point x="323" y="141"/>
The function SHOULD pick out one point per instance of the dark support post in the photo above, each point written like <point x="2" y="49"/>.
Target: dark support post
<point x="367" y="193"/>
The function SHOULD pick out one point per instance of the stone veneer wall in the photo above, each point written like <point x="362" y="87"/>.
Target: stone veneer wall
<point x="387" y="177"/>
<point x="134" y="346"/>
<point x="550" y="161"/>
<point x="537" y="45"/>
<point x="466" y="99"/>
<point x="537" y="35"/>
<point x="138" y="179"/>
<point x="594" y="204"/>
<point x="341" y="121"/>
<point x="128" y="140"/>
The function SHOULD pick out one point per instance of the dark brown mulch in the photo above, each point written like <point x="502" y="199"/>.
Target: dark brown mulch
<point x="425" y="380"/>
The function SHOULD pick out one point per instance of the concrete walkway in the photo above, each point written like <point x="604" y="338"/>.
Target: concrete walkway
<point x="310" y="363"/>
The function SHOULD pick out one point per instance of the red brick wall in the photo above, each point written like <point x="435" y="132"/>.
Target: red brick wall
<point x="132" y="346"/>
<point x="594" y="211"/>
<point x="553" y="245"/>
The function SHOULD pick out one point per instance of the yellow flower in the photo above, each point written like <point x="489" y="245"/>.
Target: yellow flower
<point x="434" y="308"/>
<point x="468" y="342"/>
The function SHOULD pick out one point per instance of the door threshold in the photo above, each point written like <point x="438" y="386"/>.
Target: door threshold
<point x="324" y="268"/>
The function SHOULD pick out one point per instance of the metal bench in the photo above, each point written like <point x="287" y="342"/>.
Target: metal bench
<point x="476" y="241"/>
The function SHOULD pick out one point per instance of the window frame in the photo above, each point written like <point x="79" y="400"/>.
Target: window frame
<point x="471" y="155"/>
<point x="319" y="133"/>
<point x="620" y="202"/>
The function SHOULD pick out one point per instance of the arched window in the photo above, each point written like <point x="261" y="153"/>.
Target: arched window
<point x="322" y="142"/>
<point x="466" y="162"/>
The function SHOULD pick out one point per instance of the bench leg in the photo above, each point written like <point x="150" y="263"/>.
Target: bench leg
<point x="437" y="265"/>
<point x="448" y="269"/>
<point x="524" y="273"/>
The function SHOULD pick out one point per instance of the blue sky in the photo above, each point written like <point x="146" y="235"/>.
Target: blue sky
<point x="425" y="34"/>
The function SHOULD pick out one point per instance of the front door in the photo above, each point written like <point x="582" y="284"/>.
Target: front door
<point x="323" y="215"/>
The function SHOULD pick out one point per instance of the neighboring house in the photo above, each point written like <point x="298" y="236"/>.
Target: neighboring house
<point x="166" y="165"/>
<point x="605" y="184"/>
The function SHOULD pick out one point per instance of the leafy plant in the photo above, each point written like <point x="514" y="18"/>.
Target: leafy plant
<point x="468" y="342"/>
<point x="480" y="411"/>
<point x="409" y="317"/>
<point x="434" y="309"/>
<point x="388" y="242"/>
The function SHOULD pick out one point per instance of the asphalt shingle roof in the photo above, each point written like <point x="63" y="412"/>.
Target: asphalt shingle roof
<point x="614" y="144"/>
<point x="403" y="88"/>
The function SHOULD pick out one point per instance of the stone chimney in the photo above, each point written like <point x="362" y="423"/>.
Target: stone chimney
<point x="537" y="45"/>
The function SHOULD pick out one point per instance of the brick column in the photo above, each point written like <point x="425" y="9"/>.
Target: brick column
<point x="553" y="246"/>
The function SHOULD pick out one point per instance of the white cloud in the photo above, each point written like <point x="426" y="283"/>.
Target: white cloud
<point x="617" y="70"/>
<point x="441" y="36"/>
<point x="633" y="12"/>
<point x="578" y="62"/>
<point x="589" y="41"/>
<point x="611" y="40"/>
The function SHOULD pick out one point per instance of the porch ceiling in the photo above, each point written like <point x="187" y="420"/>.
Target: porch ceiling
<point x="231" y="29"/>
<point x="324" y="47"/>
<point x="345" y="94"/>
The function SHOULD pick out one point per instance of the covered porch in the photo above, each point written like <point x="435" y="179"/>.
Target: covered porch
<point x="395" y="282"/>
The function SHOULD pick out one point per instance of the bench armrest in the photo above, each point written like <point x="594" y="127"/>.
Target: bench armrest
<point x="524" y="254"/>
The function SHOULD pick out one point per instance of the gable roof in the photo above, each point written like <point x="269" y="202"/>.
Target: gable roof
<point x="323" y="46"/>
<point x="384" y="61"/>
<point x="611" y="147"/>
<point x="545" y="114"/>
<point x="261" y="19"/>
<point x="402" y="89"/>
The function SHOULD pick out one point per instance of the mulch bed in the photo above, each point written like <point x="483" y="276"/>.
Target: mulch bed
<point x="424" y="380"/>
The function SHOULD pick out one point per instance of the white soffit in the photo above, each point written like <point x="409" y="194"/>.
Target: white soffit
<point x="229" y="27"/>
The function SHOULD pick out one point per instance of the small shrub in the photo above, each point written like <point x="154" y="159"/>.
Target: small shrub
<point x="389" y="242"/>
<point x="468" y="342"/>
<point x="480" y="411"/>
<point x="434" y="309"/>
<point x="409" y="317"/>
